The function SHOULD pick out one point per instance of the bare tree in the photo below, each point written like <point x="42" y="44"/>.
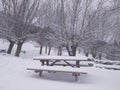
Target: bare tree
<point x="6" y="26"/>
<point x="71" y="20"/>
<point x="45" y="20"/>
<point x="24" y="13"/>
<point x="114" y="13"/>
<point x="104" y="25"/>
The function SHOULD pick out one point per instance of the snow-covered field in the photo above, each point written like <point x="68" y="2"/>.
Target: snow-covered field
<point x="14" y="76"/>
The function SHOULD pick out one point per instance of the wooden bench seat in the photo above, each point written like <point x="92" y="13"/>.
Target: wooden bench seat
<point x="75" y="72"/>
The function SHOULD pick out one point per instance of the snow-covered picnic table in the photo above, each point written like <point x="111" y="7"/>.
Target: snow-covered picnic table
<point x="49" y="62"/>
<point x="52" y="60"/>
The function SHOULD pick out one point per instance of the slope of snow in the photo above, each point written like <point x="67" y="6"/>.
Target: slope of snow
<point x="14" y="76"/>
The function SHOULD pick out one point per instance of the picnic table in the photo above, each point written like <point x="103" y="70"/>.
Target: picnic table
<point x="48" y="64"/>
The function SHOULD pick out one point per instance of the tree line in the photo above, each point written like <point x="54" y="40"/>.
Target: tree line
<point x="70" y="24"/>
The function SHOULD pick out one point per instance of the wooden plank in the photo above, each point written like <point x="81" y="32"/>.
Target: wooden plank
<point x="60" y="59"/>
<point x="68" y="63"/>
<point x="54" y="70"/>
<point x="53" y="63"/>
<point x="73" y="65"/>
<point x="74" y="73"/>
<point x="68" y="58"/>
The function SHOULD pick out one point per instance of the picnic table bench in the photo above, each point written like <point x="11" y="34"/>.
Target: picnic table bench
<point x="75" y="72"/>
<point x="48" y="64"/>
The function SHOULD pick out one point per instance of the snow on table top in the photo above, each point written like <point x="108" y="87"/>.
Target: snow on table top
<point x="70" y="58"/>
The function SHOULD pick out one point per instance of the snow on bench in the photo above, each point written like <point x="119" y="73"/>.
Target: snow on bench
<point x="75" y="71"/>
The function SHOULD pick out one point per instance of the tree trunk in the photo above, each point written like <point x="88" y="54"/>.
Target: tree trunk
<point x="49" y="50"/>
<point x="19" y="47"/>
<point x="10" y="47"/>
<point x="41" y="47"/>
<point x="46" y="49"/>
<point x="69" y="52"/>
<point x="79" y="50"/>
<point x="86" y="54"/>
<point x="73" y="50"/>
<point x="100" y="56"/>
<point x="59" y="51"/>
<point x="93" y="55"/>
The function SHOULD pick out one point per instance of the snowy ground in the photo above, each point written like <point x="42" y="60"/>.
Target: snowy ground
<point x="14" y="76"/>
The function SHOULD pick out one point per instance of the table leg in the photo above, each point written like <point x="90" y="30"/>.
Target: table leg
<point x="68" y="63"/>
<point x="42" y="63"/>
<point x="75" y="76"/>
<point x="77" y="63"/>
<point x="53" y="63"/>
<point x="47" y="62"/>
<point x="40" y="73"/>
